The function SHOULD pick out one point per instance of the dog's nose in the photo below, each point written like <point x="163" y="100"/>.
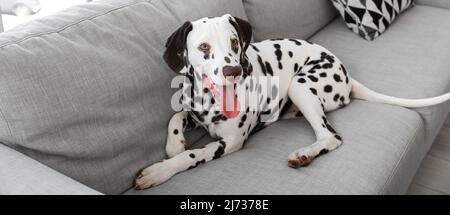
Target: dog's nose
<point x="231" y="71"/>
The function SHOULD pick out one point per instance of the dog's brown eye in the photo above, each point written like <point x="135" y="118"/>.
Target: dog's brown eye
<point x="204" y="47"/>
<point x="234" y="42"/>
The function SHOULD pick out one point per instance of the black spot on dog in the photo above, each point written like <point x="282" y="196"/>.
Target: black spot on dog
<point x="345" y="73"/>
<point x="220" y="150"/>
<point x="268" y="100"/>
<point x="314" y="62"/>
<point x="313" y="69"/>
<point x="323" y="75"/>
<point x="279" y="54"/>
<point x="212" y="56"/>
<point x="197" y="163"/>
<point x="213" y="101"/>
<point x="269" y="68"/>
<point x="337" y="78"/>
<point x="331" y="129"/>
<point x="204" y="21"/>
<point x="301" y="74"/>
<point x="215" y="119"/>
<point x="338" y="137"/>
<point x="227" y="59"/>
<point x="323" y="151"/>
<point x="241" y="124"/>
<point x="328" y="88"/>
<point x="313" y="78"/>
<point x="192" y="155"/>
<point x="229" y="54"/>
<point x="261" y="64"/>
<point x="295" y="67"/>
<point x="336" y="97"/>
<point x="290" y="54"/>
<point x="301" y="80"/>
<point x="327" y="65"/>
<point x="254" y="48"/>
<point x="296" y="42"/>
<point x="244" y="117"/>
<point x="205" y="90"/>
<point x="216" y="71"/>
<point x="175" y="131"/>
<point x="313" y="91"/>
<point x="306" y="61"/>
<point x="324" y="119"/>
<point x="206" y="56"/>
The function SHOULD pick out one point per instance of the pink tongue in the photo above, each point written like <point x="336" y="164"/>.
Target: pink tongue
<point x="228" y="102"/>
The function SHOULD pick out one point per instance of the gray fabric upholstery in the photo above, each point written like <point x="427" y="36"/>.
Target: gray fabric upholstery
<point x="93" y="98"/>
<point x="288" y="18"/>
<point x="404" y="61"/>
<point x="434" y="3"/>
<point x="377" y="147"/>
<point x="21" y="175"/>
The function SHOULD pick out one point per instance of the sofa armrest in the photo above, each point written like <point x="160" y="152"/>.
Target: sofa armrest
<point x="20" y="174"/>
<point x="434" y="3"/>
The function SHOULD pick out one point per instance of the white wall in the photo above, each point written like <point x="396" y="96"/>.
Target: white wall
<point x="1" y="23"/>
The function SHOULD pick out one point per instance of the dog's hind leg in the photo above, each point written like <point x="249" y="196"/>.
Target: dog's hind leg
<point x="179" y="123"/>
<point x="306" y="99"/>
<point x="160" y="172"/>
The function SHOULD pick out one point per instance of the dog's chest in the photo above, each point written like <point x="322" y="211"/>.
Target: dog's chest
<point x="249" y="118"/>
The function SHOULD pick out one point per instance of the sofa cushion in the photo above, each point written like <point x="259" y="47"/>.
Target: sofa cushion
<point x="410" y="60"/>
<point x="87" y="92"/>
<point x="435" y="3"/>
<point x="369" y="19"/>
<point x="379" y="151"/>
<point x="288" y="18"/>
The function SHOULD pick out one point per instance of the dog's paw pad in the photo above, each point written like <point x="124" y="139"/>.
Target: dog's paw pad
<point x="152" y="176"/>
<point x="299" y="161"/>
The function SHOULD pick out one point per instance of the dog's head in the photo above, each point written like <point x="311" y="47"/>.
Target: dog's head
<point x="215" y="49"/>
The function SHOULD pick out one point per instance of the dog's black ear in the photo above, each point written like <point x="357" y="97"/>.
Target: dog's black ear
<point x="175" y="47"/>
<point x="244" y="30"/>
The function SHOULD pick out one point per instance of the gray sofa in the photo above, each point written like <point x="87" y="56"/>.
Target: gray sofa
<point x="85" y="101"/>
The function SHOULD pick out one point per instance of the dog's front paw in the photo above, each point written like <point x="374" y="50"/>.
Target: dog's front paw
<point x="153" y="175"/>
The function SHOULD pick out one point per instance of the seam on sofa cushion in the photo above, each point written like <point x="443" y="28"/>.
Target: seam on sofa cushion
<point x="16" y="42"/>
<point x="402" y="156"/>
<point x="7" y="124"/>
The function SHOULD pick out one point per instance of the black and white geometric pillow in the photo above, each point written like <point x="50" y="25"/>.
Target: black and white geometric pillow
<point x="370" y="18"/>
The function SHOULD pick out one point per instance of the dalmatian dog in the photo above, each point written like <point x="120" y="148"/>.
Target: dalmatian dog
<point x="223" y="67"/>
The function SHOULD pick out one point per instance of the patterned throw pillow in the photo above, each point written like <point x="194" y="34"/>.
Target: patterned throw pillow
<point x="370" y="18"/>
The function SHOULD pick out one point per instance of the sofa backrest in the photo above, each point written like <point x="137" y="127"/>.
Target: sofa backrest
<point x="288" y="18"/>
<point x="86" y="91"/>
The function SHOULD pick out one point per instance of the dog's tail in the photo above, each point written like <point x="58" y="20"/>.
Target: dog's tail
<point x="359" y="91"/>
